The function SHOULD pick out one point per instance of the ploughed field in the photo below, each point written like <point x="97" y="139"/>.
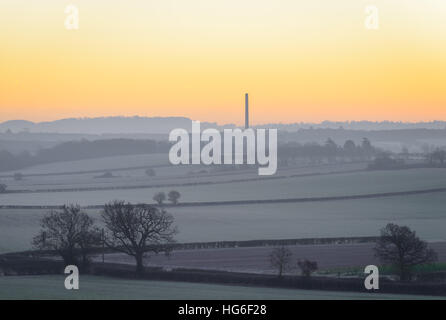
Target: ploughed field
<point x="256" y="259"/>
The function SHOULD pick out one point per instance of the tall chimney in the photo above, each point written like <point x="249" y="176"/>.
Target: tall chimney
<point x="246" y="111"/>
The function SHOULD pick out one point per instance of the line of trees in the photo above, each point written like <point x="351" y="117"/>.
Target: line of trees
<point x="128" y="228"/>
<point x="329" y="151"/>
<point x="137" y="229"/>
<point x="397" y="246"/>
<point x="384" y="161"/>
<point x="438" y="156"/>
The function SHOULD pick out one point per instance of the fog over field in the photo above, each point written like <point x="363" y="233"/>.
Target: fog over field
<point x="81" y="182"/>
<point x="328" y="188"/>
<point x="237" y="150"/>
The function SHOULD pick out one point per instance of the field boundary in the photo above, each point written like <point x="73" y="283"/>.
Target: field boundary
<point x="272" y="242"/>
<point x="21" y="265"/>
<point x="270" y="281"/>
<point x="227" y="244"/>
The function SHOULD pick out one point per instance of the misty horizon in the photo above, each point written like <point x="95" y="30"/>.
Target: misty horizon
<point x="158" y="124"/>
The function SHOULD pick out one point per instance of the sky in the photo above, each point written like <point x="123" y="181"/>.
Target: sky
<point x="300" y="61"/>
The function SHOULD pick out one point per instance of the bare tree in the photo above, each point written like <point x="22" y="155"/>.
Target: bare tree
<point x="350" y="149"/>
<point x="3" y="188"/>
<point x="137" y="229"/>
<point x="159" y="197"/>
<point x="150" y="172"/>
<point x="367" y="148"/>
<point x="173" y="196"/>
<point x="399" y="246"/>
<point x="87" y="242"/>
<point x="438" y="155"/>
<point x="70" y="232"/>
<point x="280" y="258"/>
<point x="307" y="267"/>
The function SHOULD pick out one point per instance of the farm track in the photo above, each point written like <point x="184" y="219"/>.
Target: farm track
<point x="268" y="201"/>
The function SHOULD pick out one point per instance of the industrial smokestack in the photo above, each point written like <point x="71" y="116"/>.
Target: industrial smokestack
<point x="246" y="111"/>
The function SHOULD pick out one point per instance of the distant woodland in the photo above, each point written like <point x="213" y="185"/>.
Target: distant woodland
<point x="78" y="150"/>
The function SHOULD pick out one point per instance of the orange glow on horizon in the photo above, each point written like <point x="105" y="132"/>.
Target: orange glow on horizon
<point x="300" y="62"/>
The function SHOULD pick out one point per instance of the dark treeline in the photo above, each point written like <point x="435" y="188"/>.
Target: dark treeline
<point x="330" y="151"/>
<point x="78" y="150"/>
<point x="388" y="161"/>
<point x="312" y="151"/>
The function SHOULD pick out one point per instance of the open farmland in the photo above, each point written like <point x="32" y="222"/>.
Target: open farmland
<point x="105" y="163"/>
<point x="256" y="259"/>
<point x="360" y="217"/>
<point x="320" y="185"/>
<point x="165" y="174"/>
<point x="78" y="182"/>
<point x="93" y="287"/>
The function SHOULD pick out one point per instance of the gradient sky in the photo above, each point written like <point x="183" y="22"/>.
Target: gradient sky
<point x="309" y="60"/>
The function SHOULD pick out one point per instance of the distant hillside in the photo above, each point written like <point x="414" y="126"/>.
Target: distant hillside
<point x="106" y="125"/>
<point x="163" y="125"/>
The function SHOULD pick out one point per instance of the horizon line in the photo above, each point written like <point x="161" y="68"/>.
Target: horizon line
<point x="229" y="124"/>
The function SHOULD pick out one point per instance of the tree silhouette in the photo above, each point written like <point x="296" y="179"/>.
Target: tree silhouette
<point x="400" y="246"/>
<point x="307" y="267"/>
<point x="137" y="229"/>
<point x="280" y="258"/>
<point x="173" y="196"/>
<point x="69" y="232"/>
<point x="159" y="197"/>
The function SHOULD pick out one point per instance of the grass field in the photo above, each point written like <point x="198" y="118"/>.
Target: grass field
<point x="387" y="269"/>
<point x="92" y="287"/>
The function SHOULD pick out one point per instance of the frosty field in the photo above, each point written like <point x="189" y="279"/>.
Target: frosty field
<point x="95" y="164"/>
<point x="361" y="217"/>
<point x="289" y="187"/>
<point x="124" y="176"/>
<point x="93" y="287"/>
